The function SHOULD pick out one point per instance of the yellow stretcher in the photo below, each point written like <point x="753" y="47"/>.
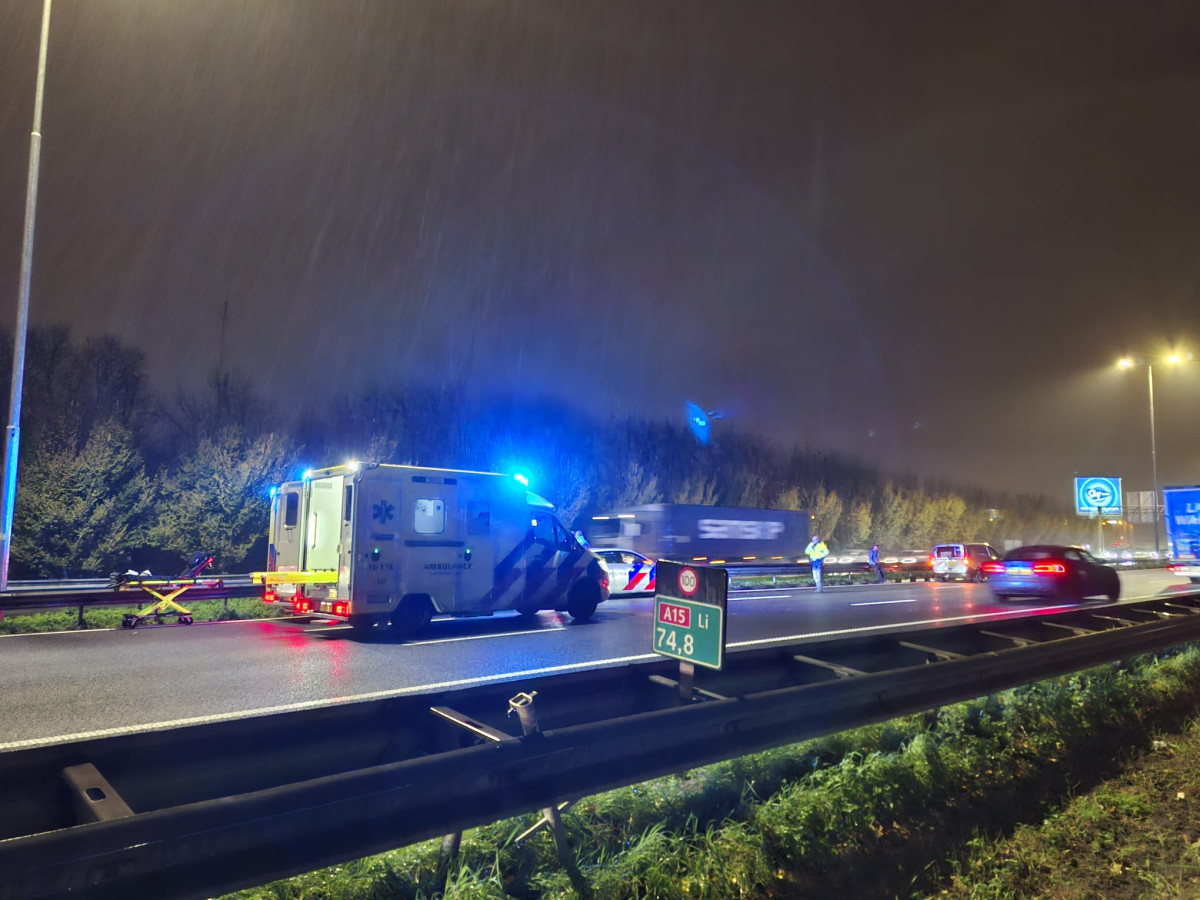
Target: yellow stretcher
<point x="164" y="591"/>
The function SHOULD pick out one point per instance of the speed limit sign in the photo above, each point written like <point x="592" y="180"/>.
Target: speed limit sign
<point x="688" y="581"/>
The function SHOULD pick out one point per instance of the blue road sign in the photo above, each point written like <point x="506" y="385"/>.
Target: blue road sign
<point x="1098" y="495"/>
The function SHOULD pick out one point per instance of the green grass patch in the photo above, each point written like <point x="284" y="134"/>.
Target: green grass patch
<point x="880" y="811"/>
<point x="830" y="578"/>
<point x="1134" y="836"/>
<point x="67" y="618"/>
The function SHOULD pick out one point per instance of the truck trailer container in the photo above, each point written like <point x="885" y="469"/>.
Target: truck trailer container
<point x="1181" y="508"/>
<point x="722" y="535"/>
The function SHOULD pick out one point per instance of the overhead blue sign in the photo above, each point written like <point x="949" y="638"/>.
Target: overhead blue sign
<point x="1098" y="496"/>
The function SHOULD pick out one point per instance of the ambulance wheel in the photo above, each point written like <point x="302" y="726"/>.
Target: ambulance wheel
<point x="583" y="599"/>
<point x="412" y="614"/>
<point x="362" y="626"/>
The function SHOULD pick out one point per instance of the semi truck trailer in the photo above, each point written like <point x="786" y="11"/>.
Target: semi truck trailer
<point x="718" y="535"/>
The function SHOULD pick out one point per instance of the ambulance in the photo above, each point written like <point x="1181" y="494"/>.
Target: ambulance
<point x="371" y="543"/>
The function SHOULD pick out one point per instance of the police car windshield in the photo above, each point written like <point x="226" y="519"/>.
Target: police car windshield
<point x="604" y="527"/>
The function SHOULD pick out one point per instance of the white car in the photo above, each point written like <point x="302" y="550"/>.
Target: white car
<point x="963" y="561"/>
<point x="629" y="572"/>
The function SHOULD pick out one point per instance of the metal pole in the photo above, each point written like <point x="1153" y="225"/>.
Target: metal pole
<point x="12" y="435"/>
<point x="1153" y="455"/>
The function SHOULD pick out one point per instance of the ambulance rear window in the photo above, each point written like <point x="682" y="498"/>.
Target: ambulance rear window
<point x="291" y="509"/>
<point x="429" y="516"/>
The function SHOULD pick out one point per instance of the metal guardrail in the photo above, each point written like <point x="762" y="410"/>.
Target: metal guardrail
<point x="918" y="571"/>
<point x="195" y="811"/>
<point x="36" y="596"/>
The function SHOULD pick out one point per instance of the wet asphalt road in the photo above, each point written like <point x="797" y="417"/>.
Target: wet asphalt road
<point x="72" y="684"/>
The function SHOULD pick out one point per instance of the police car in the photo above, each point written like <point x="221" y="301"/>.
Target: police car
<point x="629" y="572"/>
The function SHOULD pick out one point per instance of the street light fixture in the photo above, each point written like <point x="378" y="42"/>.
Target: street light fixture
<point x="1128" y="362"/>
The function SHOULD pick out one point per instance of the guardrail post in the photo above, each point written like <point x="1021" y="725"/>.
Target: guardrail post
<point x="79" y="621"/>
<point x="687" y="679"/>
<point x="522" y="705"/>
<point x="447" y="856"/>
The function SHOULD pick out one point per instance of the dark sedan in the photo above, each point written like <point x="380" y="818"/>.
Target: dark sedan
<point x="1044" y="570"/>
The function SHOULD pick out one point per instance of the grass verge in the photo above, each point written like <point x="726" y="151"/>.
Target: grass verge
<point x="881" y="811"/>
<point x="67" y="618"/>
<point x="1134" y="836"/>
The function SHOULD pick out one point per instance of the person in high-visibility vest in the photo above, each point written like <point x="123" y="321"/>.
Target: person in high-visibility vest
<point x="816" y="551"/>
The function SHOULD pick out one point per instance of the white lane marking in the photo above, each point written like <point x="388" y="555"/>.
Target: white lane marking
<point x="44" y="633"/>
<point x="767" y="597"/>
<point x="149" y="628"/>
<point x="333" y="701"/>
<point x="884" y="602"/>
<point x="1016" y="613"/>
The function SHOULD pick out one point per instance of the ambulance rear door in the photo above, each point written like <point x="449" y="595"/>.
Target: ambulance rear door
<point x="329" y="529"/>
<point x="284" y="551"/>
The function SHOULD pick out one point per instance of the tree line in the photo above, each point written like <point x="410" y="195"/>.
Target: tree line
<point x="114" y="476"/>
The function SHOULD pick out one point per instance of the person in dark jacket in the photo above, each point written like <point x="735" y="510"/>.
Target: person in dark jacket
<point x="873" y="559"/>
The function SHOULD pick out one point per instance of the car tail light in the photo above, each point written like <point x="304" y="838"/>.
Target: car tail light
<point x="1050" y="569"/>
<point x="341" y="608"/>
<point x="931" y="559"/>
<point x="268" y="596"/>
<point x="992" y="568"/>
<point x="301" y="605"/>
<point x="1175" y="567"/>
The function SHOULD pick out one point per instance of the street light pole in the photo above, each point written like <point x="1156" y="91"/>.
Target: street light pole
<point x="12" y="434"/>
<point x="1153" y="455"/>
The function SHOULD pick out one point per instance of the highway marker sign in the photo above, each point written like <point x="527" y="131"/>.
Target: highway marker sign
<point x="689" y="614"/>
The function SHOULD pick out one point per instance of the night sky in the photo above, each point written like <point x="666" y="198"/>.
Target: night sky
<point x="917" y="232"/>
